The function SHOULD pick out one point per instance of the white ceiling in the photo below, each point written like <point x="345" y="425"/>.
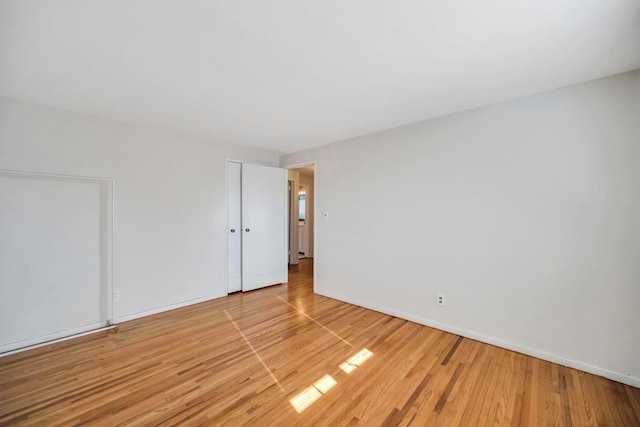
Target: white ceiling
<point x="284" y="75"/>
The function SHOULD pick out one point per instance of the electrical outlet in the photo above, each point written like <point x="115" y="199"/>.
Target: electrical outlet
<point x="440" y="300"/>
<point x="116" y="295"/>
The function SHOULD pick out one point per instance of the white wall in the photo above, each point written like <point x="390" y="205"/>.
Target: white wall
<point x="524" y="214"/>
<point x="169" y="199"/>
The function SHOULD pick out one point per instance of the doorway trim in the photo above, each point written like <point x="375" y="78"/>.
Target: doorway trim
<point x="108" y="193"/>
<point x="313" y="163"/>
<point x="292" y="247"/>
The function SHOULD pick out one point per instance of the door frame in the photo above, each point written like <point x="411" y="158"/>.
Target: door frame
<point x="291" y="246"/>
<point x="108" y="190"/>
<point x="306" y="222"/>
<point x="313" y="163"/>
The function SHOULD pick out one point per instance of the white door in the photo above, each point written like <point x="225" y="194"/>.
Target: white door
<point x="234" y="226"/>
<point x="264" y="226"/>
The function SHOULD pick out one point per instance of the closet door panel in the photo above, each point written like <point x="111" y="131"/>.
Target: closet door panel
<point x="234" y="227"/>
<point x="264" y="226"/>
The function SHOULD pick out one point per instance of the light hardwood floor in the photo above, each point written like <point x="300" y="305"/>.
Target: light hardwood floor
<point x="284" y="356"/>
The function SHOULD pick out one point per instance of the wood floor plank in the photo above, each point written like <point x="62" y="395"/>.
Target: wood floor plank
<point x="193" y="366"/>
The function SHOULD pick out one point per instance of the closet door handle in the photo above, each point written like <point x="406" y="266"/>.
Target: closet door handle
<point x="247" y="230"/>
<point x="233" y="230"/>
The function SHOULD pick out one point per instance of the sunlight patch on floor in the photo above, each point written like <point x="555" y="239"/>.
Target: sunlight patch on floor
<point x="310" y="394"/>
<point x="356" y="360"/>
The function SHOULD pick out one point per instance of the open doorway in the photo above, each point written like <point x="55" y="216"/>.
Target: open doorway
<point x="302" y="213"/>
<point x="303" y="219"/>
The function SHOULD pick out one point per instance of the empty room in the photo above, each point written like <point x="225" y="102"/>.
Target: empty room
<point x="367" y="212"/>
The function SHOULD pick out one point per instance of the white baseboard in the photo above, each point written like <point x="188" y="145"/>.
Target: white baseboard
<point x="146" y="313"/>
<point x="550" y="357"/>
<point x="30" y="344"/>
<point x="12" y="348"/>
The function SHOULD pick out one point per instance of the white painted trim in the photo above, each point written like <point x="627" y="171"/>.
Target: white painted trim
<point x="28" y="344"/>
<point x="540" y="354"/>
<point x="110" y="233"/>
<point x="301" y="165"/>
<point x="285" y="190"/>
<point x="55" y="175"/>
<point x="146" y="313"/>
<point x="313" y="163"/>
<point x="109" y="252"/>
<point x="292" y="255"/>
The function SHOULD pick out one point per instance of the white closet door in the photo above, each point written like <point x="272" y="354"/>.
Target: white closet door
<point x="234" y="227"/>
<point x="264" y="226"/>
<point x="54" y="271"/>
